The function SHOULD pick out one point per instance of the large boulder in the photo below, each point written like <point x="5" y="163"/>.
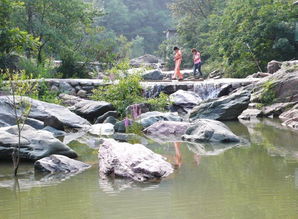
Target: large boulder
<point x="206" y="130"/>
<point x="152" y="75"/>
<point x="184" y="100"/>
<point x="90" y="109"/>
<point x="149" y="118"/>
<point x="133" y="161"/>
<point x="60" y="164"/>
<point x="35" y="144"/>
<point x="223" y="108"/>
<point x="282" y="84"/>
<point x="167" y="128"/>
<point x="51" y="114"/>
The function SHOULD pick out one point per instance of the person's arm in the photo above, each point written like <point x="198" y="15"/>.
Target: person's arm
<point x="178" y="56"/>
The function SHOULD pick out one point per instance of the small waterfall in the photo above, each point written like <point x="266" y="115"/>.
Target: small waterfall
<point x="207" y="90"/>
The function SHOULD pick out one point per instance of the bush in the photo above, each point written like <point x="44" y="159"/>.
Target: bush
<point x="268" y="95"/>
<point x="31" y="67"/>
<point x="126" y="91"/>
<point x="71" y="67"/>
<point x="46" y="95"/>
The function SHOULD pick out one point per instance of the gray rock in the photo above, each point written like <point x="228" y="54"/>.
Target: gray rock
<point x="102" y="129"/>
<point x="273" y="66"/>
<point x="153" y="75"/>
<point x="102" y="118"/>
<point x="167" y="128"/>
<point x="90" y="109"/>
<point x="149" y="118"/>
<point x="54" y="131"/>
<point x="82" y="93"/>
<point x="69" y="100"/>
<point x="35" y="144"/>
<point x="54" y="88"/>
<point x="185" y="100"/>
<point x="223" y="108"/>
<point x="111" y="120"/>
<point x="277" y="108"/>
<point x="60" y="164"/>
<point x="65" y="87"/>
<point x="51" y="114"/>
<point x="290" y="114"/>
<point x="292" y="123"/>
<point x="133" y="161"/>
<point x="120" y="126"/>
<point x="145" y="60"/>
<point x="250" y="114"/>
<point x="206" y="130"/>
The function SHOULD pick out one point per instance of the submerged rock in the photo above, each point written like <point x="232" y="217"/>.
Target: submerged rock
<point x="149" y="118"/>
<point x="133" y="161"/>
<point x="223" y="108"/>
<point x="290" y="117"/>
<point x="35" y="144"/>
<point x="60" y="164"/>
<point x="206" y="130"/>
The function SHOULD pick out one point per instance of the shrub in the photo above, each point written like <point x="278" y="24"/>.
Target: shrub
<point x="126" y="91"/>
<point x="31" y="67"/>
<point x="268" y="94"/>
<point x="46" y="95"/>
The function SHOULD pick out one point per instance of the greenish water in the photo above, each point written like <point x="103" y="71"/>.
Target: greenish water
<point x="257" y="180"/>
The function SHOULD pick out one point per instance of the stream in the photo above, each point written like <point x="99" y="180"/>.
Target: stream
<point x="255" y="179"/>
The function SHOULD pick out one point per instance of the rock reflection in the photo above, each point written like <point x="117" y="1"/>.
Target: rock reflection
<point x="30" y="179"/>
<point x="114" y="185"/>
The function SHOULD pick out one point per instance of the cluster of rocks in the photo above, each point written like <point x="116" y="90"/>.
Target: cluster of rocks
<point x="284" y="91"/>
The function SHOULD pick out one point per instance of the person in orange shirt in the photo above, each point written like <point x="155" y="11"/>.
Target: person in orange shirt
<point x="178" y="60"/>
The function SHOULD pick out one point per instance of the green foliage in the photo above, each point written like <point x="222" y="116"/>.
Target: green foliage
<point x="31" y="67"/>
<point x="131" y="18"/>
<point x="46" y="95"/>
<point x="241" y="35"/>
<point x="126" y="90"/>
<point x="135" y="128"/>
<point x="160" y="103"/>
<point x="268" y="94"/>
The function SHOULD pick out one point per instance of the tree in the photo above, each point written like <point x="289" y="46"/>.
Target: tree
<point x="58" y="25"/>
<point x="19" y="87"/>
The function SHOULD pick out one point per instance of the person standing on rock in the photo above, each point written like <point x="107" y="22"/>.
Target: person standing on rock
<point x="178" y="60"/>
<point x="197" y="63"/>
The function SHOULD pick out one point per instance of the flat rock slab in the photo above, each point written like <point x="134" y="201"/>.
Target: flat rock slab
<point x="35" y="144"/>
<point x="206" y="130"/>
<point x="53" y="115"/>
<point x="60" y="164"/>
<point x="133" y="161"/>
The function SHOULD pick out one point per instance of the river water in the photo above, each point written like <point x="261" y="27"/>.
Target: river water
<point x="255" y="179"/>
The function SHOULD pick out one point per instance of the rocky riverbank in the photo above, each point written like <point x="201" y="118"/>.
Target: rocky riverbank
<point x="195" y="115"/>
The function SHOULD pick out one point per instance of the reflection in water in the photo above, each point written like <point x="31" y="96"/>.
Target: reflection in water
<point x="296" y="178"/>
<point x="178" y="156"/>
<point x="114" y="185"/>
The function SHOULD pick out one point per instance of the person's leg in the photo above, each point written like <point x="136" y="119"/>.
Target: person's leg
<point x="199" y="68"/>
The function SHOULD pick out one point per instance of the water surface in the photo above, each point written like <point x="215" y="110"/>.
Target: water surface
<point x="254" y="180"/>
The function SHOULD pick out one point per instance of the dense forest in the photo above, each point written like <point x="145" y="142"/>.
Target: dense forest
<point x="237" y="37"/>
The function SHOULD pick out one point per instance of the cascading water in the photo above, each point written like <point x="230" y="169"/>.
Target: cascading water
<point x="207" y="90"/>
